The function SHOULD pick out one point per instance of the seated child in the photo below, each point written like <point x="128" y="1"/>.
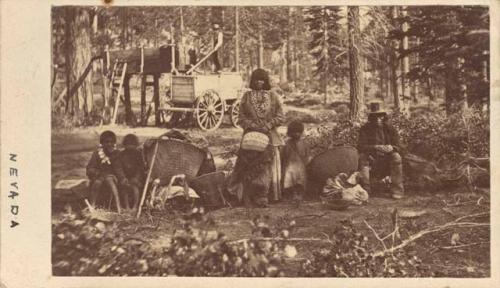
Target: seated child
<point x="295" y="156"/>
<point x="100" y="169"/>
<point x="130" y="168"/>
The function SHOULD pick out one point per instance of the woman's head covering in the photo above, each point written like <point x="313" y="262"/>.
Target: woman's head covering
<point x="260" y="74"/>
<point x="295" y="126"/>
<point x="130" y="139"/>
<point x="107" y="135"/>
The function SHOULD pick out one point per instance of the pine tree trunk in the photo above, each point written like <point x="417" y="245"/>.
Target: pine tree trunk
<point x="182" y="43"/>
<point x="283" y="64"/>
<point x="356" y="87"/>
<point x="406" y="66"/>
<point x="237" y="40"/>
<point x="428" y="86"/>
<point x="455" y="88"/>
<point x="124" y="32"/>
<point x="291" y="27"/>
<point x="395" y="65"/>
<point x="261" y="41"/>
<point x="78" y="57"/>
<point x="297" y="47"/>
<point x="325" y="55"/>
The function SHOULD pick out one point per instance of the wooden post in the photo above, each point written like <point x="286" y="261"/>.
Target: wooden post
<point x="108" y="63"/>
<point x="143" y="100"/>
<point x="172" y="43"/>
<point x="105" y="95"/>
<point x="128" y="104"/>
<point x="156" y="98"/>
<point x="148" y="178"/>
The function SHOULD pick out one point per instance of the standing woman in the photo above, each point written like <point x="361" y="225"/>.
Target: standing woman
<point x="258" y="166"/>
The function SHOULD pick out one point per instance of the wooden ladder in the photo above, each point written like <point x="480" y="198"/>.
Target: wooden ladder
<point x="117" y="79"/>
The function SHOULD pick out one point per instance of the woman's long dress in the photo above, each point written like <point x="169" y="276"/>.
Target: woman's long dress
<point x="260" y="172"/>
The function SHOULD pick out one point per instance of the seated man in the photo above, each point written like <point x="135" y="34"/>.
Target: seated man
<point x="379" y="146"/>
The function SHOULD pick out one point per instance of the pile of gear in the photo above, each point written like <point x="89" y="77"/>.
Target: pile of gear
<point x="342" y="191"/>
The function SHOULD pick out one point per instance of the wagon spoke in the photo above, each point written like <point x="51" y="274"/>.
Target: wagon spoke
<point x="204" y="113"/>
<point x="204" y="117"/>
<point x="210" y="122"/>
<point x="203" y="104"/>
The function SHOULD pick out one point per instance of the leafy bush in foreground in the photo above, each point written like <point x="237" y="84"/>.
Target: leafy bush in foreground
<point x="87" y="247"/>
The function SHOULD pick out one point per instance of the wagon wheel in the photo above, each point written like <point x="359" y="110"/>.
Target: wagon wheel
<point x="235" y="113"/>
<point x="209" y="110"/>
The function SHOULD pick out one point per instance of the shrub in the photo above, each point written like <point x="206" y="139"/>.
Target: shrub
<point x="437" y="137"/>
<point x="429" y="134"/>
<point x="87" y="247"/>
<point x="350" y="255"/>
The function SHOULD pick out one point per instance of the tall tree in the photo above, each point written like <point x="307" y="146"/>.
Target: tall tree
<point x="237" y="38"/>
<point x="326" y="44"/>
<point x="260" y="38"/>
<point x="394" y="63"/>
<point x="405" y="63"/>
<point x="78" y="56"/>
<point x="356" y="74"/>
<point x="452" y="40"/>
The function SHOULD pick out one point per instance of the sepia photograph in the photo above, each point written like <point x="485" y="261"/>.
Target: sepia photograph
<point x="216" y="143"/>
<point x="270" y="141"/>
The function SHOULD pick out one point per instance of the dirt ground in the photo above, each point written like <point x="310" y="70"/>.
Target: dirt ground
<point x="72" y="150"/>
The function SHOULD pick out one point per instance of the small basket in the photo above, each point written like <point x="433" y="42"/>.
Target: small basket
<point x="255" y="141"/>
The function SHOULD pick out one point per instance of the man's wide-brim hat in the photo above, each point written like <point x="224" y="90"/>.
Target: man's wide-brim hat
<point x="376" y="108"/>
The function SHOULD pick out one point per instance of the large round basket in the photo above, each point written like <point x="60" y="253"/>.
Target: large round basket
<point x="342" y="159"/>
<point x="174" y="157"/>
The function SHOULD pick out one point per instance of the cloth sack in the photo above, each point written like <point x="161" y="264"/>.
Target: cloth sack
<point x="346" y="188"/>
<point x="170" y="192"/>
<point x="255" y="141"/>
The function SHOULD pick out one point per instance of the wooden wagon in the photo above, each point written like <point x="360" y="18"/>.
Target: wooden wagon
<point x="207" y="96"/>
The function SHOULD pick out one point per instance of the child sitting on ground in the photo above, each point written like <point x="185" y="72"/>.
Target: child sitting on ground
<point x="130" y="170"/>
<point x="295" y="156"/>
<point x="100" y="169"/>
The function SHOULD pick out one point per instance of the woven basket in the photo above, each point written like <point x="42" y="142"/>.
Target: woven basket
<point x="342" y="159"/>
<point x="174" y="157"/>
<point x="255" y="141"/>
<point x="210" y="188"/>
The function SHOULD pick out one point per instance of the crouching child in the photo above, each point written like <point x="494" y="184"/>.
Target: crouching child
<point x="130" y="169"/>
<point x="100" y="170"/>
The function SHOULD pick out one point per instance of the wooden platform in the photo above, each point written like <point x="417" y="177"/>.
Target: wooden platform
<point x="156" y="60"/>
